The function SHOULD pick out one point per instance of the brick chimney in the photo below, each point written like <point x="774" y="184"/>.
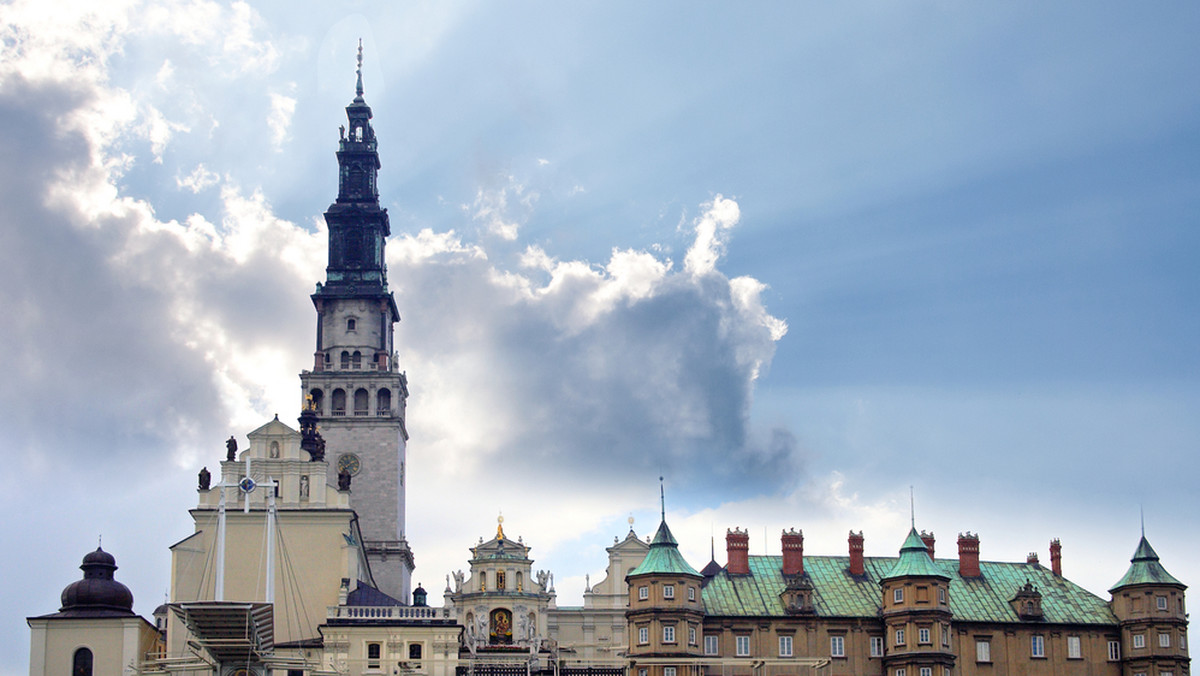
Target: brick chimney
<point x="792" y="543"/>
<point x="928" y="539"/>
<point x="856" y="553"/>
<point x="737" y="552"/>
<point x="1056" y="557"/>
<point x="968" y="554"/>
<point x="1031" y="557"/>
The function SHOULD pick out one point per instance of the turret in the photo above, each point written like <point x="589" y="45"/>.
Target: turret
<point x="1149" y="603"/>
<point x="916" y="610"/>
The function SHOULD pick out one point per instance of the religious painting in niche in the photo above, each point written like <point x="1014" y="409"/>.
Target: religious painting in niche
<point x="501" y="627"/>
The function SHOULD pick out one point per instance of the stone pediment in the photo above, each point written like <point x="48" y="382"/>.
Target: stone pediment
<point x="274" y="441"/>
<point x="501" y="548"/>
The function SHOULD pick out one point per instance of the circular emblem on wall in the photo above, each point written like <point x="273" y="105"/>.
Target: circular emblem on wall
<point x="247" y="485"/>
<point x="349" y="463"/>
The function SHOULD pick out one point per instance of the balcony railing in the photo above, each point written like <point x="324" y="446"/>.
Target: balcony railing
<point x="387" y="613"/>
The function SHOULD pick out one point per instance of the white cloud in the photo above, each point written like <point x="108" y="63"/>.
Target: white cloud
<point x="502" y="209"/>
<point x="200" y="179"/>
<point x="280" y="118"/>
<point x="719" y="215"/>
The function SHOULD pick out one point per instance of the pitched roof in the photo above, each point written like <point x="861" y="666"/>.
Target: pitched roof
<point x="914" y="559"/>
<point x="664" y="556"/>
<point x="837" y="593"/>
<point x="1144" y="568"/>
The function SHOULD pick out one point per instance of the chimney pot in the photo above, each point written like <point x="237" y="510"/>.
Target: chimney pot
<point x="968" y="554"/>
<point x="737" y="552"/>
<point x="928" y="539"/>
<point x="856" y="553"/>
<point x="1056" y="557"/>
<point x="792" y="544"/>
<point x="1032" y="557"/>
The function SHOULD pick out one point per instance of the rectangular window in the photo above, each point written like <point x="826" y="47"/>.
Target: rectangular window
<point x="1166" y="673"/>
<point x="668" y="671"/>
<point x="643" y="593"/>
<point x="691" y="636"/>
<point x="500" y="579"/>
<point x="898" y="595"/>
<point x="876" y="646"/>
<point x="837" y="646"/>
<point x="942" y="595"/>
<point x="899" y="637"/>
<point x="983" y="651"/>
<point x="900" y="671"/>
<point x="710" y="644"/>
<point x="1164" y="640"/>
<point x="643" y="672"/>
<point x="1114" y="651"/>
<point x="669" y="591"/>
<point x="1037" y="646"/>
<point x="1162" y="602"/>
<point x="742" y="644"/>
<point x="945" y="636"/>
<point x="1139" y="640"/>
<point x="785" y="646"/>
<point x="373" y="655"/>
<point x="691" y="593"/>
<point x="923" y="635"/>
<point x="1183" y="640"/>
<point x="1074" y="649"/>
<point x="926" y="671"/>
<point x="669" y="634"/>
<point x="643" y="635"/>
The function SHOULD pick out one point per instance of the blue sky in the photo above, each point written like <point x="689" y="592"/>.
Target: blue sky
<point x="794" y="257"/>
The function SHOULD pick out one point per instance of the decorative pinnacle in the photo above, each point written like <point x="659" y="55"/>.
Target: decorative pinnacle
<point x="358" y="89"/>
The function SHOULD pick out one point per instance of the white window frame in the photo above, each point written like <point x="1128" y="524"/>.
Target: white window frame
<point x="1164" y="640"/>
<point x="983" y="650"/>
<point x="1114" y="651"/>
<point x="942" y="595"/>
<point x="643" y="635"/>
<point x="785" y="646"/>
<point x="925" y="671"/>
<point x="837" y="646"/>
<point x="691" y="593"/>
<point x="712" y="644"/>
<point x="1037" y="646"/>
<point x="1074" y="648"/>
<point x="900" y="672"/>
<point x="924" y="636"/>
<point x="1139" y="640"/>
<point x="876" y="646"/>
<point x="741" y="646"/>
<point x="691" y="635"/>
<point x="668" y="671"/>
<point x="668" y="591"/>
<point x="899" y="637"/>
<point x="373" y="663"/>
<point x="668" y="633"/>
<point x="1161" y="602"/>
<point x="898" y="595"/>
<point x="643" y="593"/>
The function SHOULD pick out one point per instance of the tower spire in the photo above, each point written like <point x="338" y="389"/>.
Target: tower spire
<point x="662" y="498"/>
<point x="912" y="507"/>
<point x="358" y="89"/>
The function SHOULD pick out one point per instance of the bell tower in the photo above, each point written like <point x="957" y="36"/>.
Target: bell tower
<point x="355" y="387"/>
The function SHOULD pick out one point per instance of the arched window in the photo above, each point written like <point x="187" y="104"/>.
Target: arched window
<point x="383" y="402"/>
<point x="356" y="360"/>
<point x="339" y="401"/>
<point x="351" y="324"/>
<point x="81" y="665"/>
<point x="318" y="400"/>
<point x="345" y="360"/>
<point x="360" y="401"/>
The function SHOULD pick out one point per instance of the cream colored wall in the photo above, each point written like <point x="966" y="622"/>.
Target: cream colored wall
<point x="346" y="649"/>
<point x="116" y="644"/>
<point x="312" y="557"/>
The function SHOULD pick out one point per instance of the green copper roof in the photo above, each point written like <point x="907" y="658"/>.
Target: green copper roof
<point x="914" y="559"/>
<point x="838" y="594"/>
<point x="1144" y="568"/>
<point x="664" y="556"/>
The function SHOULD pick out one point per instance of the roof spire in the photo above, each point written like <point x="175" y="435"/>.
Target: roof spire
<point x="358" y="88"/>
<point x="912" y="507"/>
<point x="1142" y="514"/>
<point x="662" y="498"/>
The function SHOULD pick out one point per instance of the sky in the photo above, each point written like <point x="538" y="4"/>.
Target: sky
<point x="802" y="260"/>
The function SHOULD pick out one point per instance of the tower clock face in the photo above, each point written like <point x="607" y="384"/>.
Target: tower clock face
<point x="349" y="463"/>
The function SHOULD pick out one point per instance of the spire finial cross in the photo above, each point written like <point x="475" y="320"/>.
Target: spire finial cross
<point x="359" y="89"/>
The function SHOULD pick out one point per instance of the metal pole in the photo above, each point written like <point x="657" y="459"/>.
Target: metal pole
<point x="220" y="591"/>
<point x="270" y="541"/>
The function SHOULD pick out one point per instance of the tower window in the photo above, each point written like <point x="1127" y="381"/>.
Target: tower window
<point x="383" y="402"/>
<point x="361" y="400"/>
<point x="500" y="580"/>
<point x="345" y="360"/>
<point x="81" y="664"/>
<point x="339" y="402"/>
<point x="669" y="591"/>
<point x="318" y="400"/>
<point x="351" y="324"/>
<point x="356" y="360"/>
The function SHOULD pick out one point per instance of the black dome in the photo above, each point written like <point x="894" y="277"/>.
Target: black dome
<point x="97" y="591"/>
